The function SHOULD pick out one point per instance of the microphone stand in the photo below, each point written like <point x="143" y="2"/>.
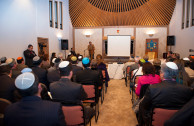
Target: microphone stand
<point x="84" y="52"/>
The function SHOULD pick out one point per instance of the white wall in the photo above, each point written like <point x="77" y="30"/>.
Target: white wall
<point x="22" y="21"/>
<point x="184" y="37"/>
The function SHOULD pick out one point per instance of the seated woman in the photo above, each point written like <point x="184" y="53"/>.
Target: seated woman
<point x="149" y="77"/>
<point x="102" y="66"/>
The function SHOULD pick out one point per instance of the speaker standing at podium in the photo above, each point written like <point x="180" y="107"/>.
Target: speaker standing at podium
<point x="91" y="49"/>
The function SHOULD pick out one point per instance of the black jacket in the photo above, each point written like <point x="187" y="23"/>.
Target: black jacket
<point x="29" y="55"/>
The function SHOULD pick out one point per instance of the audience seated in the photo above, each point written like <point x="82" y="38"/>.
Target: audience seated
<point x="68" y="91"/>
<point x="7" y="87"/>
<point x="184" y="117"/>
<point x="15" y="71"/>
<point x="157" y="63"/>
<point x="3" y="60"/>
<point x="130" y="62"/>
<point x="146" y="58"/>
<point x="135" y="65"/>
<point x="79" y="57"/>
<point x="189" y="71"/>
<point x="60" y="55"/>
<point x="53" y="72"/>
<point x="102" y="66"/>
<point x="167" y="94"/>
<point x="38" y="71"/>
<point x="21" y="65"/>
<point x="44" y="93"/>
<point x="45" y="62"/>
<point x="31" y="110"/>
<point x="149" y="77"/>
<point x="182" y="77"/>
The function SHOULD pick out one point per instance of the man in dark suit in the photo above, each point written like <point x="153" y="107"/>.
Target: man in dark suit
<point x="64" y="89"/>
<point x="167" y="94"/>
<point x="75" y="68"/>
<point x="7" y="87"/>
<point x="31" y="110"/>
<point x="29" y="54"/>
<point x="39" y="72"/>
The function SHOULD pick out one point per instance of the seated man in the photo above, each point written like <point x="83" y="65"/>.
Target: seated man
<point x="184" y="117"/>
<point x="167" y="94"/>
<point x="15" y="71"/>
<point x="88" y="76"/>
<point x="21" y="65"/>
<point x="67" y="91"/>
<point x="31" y="110"/>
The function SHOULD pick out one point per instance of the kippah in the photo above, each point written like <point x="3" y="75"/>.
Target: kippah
<point x="9" y="60"/>
<point x="172" y="65"/>
<point x="79" y="57"/>
<point x="3" y="58"/>
<point x="53" y="60"/>
<point x="24" y="81"/>
<point x="186" y="59"/>
<point x="26" y="70"/>
<point x="85" y="60"/>
<point x="63" y="64"/>
<point x="73" y="58"/>
<point x="36" y="58"/>
<point x="19" y="58"/>
<point x="142" y="60"/>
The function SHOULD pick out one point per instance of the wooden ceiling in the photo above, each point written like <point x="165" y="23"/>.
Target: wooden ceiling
<point x="93" y="13"/>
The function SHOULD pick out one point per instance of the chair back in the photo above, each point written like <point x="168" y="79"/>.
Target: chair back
<point x="74" y="115"/>
<point x="143" y="90"/>
<point x="160" y="115"/>
<point x="90" y="90"/>
<point x="3" y="105"/>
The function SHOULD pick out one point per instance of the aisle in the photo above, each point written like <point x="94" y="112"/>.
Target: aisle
<point x="116" y="109"/>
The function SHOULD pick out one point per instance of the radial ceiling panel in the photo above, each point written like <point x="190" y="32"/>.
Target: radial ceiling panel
<point x="92" y="13"/>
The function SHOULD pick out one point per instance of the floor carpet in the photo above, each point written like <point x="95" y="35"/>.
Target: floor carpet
<point x="116" y="109"/>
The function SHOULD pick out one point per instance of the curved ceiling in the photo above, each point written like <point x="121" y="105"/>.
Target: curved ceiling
<point x="93" y="13"/>
<point x="117" y="5"/>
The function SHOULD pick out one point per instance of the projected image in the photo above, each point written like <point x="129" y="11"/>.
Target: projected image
<point x="119" y="45"/>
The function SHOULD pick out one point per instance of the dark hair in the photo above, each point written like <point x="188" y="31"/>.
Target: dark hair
<point x="53" y="54"/>
<point x="30" y="45"/>
<point x="148" y="68"/>
<point x="44" y="92"/>
<point x="170" y="52"/>
<point x="20" y="60"/>
<point x="66" y="71"/>
<point x="168" y="72"/>
<point x="5" y="69"/>
<point x="30" y="91"/>
<point x="140" y="63"/>
<point x="86" y="65"/>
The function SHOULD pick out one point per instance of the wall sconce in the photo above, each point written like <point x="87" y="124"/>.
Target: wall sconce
<point x="151" y="33"/>
<point x="87" y="36"/>
<point x="118" y="31"/>
<point x="59" y="36"/>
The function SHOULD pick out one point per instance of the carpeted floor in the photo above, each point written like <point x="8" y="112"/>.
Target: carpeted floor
<point x="116" y="109"/>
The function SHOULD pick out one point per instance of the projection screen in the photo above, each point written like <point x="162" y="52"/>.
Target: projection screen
<point x="119" y="45"/>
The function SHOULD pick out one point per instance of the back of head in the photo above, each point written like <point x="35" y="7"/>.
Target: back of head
<point x="137" y="58"/>
<point x="37" y="61"/>
<point x="94" y="64"/>
<point x="20" y="60"/>
<point x="3" y="59"/>
<point x="148" y="68"/>
<point x="141" y="62"/>
<point x="169" y="70"/>
<point x="180" y="64"/>
<point x="99" y="58"/>
<point x="27" y="84"/>
<point x="5" y="69"/>
<point x="60" y="55"/>
<point x="146" y="57"/>
<point x="157" y="62"/>
<point x="11" y="62"/>
<point x="86" y="62"/>
<point x="65" y="68"/>
<point x="73" y="59"/>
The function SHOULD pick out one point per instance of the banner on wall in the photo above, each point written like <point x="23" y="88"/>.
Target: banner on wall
<point x="152" y="48"/>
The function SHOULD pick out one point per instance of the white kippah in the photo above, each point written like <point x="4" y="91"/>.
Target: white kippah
<point x="63" y="64"/>
<point x="172" y="65"/>
<point x="36" y="58"/>
<point x="53" y="61"/>
<point x="186" y="59"/>
<point x="26" y="70"/>
<point x="24" y="81"/>
<point x="79" y="57"/>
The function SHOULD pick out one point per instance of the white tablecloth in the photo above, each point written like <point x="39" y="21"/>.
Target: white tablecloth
<point x="115" y="71"/>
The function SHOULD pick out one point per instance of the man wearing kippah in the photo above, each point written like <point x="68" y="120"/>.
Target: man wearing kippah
<point x="21" y="65"/>
<point x="167" y="94"/>
<point x="32" y="110"/>
<point x="68" y="91"/>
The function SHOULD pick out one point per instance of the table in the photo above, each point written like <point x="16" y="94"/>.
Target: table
<point x="115" y="71"/>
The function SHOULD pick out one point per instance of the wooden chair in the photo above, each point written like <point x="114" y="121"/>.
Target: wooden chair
<point x="92" y="98"/>
<point x="160" y="115"/>
<point x="3" y="105"/>
<point x="127" y="75"/>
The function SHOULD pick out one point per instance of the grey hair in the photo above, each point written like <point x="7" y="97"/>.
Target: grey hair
<point x="168" y="72"/>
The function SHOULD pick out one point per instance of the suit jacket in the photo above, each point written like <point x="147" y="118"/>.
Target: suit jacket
<point x="184" y="117"/>
<point x="32" y="111"/>
<point x="7" y="87"/>
<point x="53" y="75"/>
<point x="29" y="55"/>
<point x="75" y="70"/>
<point x="41" y="74"/>
<point x="167" y="94"/>
<point x="65" y="90"/>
